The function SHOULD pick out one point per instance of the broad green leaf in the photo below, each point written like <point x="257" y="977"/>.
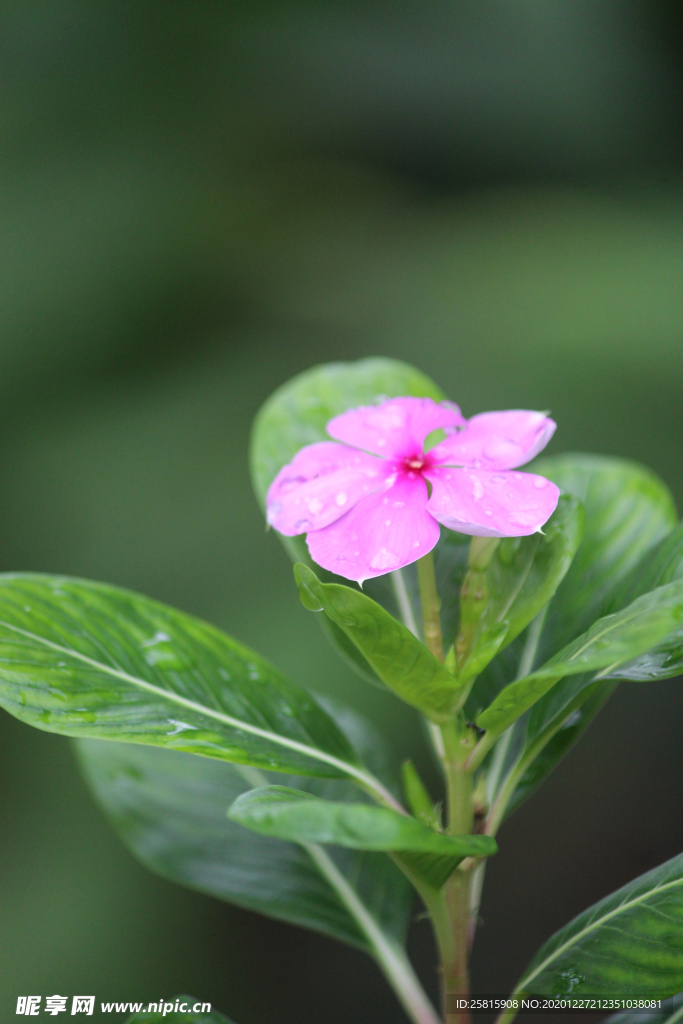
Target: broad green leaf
<point x="670" y="1013"/>
<point x="609" y="642"/>
<point x="296" y="415"/>
<point x="662" y="565"/>
<point x="170" y="811"/>
<point x="186" y="1015"/>
<point x="400" y="660"/>
<point x="87" y="659"/>
<point x="630" y="943"/>
<point x="628" y="510"/>
<point x="301" y="817"/>
<point x="520" y="579"/>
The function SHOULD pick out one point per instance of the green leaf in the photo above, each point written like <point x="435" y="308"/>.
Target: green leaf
<point x="398" y="658"/>
<point x="300" y="817"/>
<point x="630" y="943"/>
<point x="520" y="579"/>
<point x="86" y="659"/>
<point x="609" y="642"/>
<point x="662" y="565"/>
<point x="296" y="415"/>
<point x="419" y="800"/>
<point x="188" y="1017"/>
<point x="628" y="510"/>
<point x="170" y="811"/>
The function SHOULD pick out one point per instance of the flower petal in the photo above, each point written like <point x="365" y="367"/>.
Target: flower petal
<point x="383" y="532"/>
<point x="496" y="440"/>
<point x="396" y="428"/>
<point x="320" y="484"/>
<point x="490" y="504"/>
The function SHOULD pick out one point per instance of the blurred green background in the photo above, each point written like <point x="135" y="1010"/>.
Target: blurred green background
<point x="200" y="199"/>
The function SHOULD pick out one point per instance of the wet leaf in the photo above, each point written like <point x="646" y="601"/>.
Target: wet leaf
<point x="87" y="659"/>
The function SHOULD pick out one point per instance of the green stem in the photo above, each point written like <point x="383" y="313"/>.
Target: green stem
<point x="457" y="889"/>
<point x="430" y="606"/>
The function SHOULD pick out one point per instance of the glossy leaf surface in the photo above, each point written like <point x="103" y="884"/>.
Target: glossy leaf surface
<point x="610" y="641"/>
<point x="628" y="511"/>
<point x="298" y="816"/>
<point x="183" y="1018"/>
<point x="170" y="811"/>
<point x="521" y="578"/>
<point x="631" y="943"/>
<point x="399" y="659"/>
<point x="86" y="659"/>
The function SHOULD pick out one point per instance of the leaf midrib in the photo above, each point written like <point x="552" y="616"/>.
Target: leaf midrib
<point x="592" y="927"/>
<point x="220" y="716"/>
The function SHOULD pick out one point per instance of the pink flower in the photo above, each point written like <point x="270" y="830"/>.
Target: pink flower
<point x="365" y="505"/>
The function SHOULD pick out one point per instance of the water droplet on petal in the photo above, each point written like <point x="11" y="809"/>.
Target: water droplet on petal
<point x="497" y="478"/>
<point x="341" y="498"/>
<point x="416" y="543"/>
<point x="540" y="482"/>
<point x="303" y="525"/>
<point x="387" y="522"/>
<point x="385" y="559"/>
<point x="315" y="505"/>
<point x="488" y="512"/>
<point x="399" y="504"/>
<point x="477" y="489"/>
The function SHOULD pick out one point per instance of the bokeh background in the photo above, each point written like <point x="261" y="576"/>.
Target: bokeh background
<point x="201" y="199"/>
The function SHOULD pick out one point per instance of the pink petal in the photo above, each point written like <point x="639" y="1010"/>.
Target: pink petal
<point x="490" y="504"/>
<point x="496" y="440"/>
<point x="320" y="484"/>
<point x="396" y="428"/>
<point x="383" y="532"/>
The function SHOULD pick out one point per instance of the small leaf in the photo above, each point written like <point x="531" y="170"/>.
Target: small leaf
<point x="169" y="810"/>
<point x="519" y="580"/>
<point x="630" y="943"/>
<point x="300" y="817"/>
<point x="609" y="642"/>
<point x="419" y="800"/>
<point x="87" y="659"/>
<point x="399" y="659"/>
<point x="186" y="1015"/>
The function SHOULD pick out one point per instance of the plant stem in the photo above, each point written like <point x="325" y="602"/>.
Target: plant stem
<point x="430" y="606"/>
<point x="457" y="889"/>
<point x="449" y="910"/>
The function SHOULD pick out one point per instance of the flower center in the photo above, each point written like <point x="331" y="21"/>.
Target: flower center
<point x="416" y="462"/>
